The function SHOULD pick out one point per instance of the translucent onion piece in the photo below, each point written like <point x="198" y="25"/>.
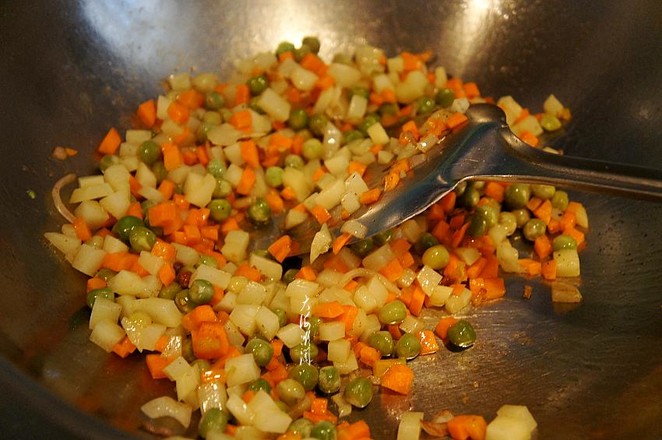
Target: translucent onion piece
<point x="57" y="198"/>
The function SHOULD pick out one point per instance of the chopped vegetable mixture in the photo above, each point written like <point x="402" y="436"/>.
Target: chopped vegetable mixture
<point x="264" y="343"/>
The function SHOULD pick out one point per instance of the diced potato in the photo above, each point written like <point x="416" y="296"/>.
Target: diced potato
<point x="106" y="334"/>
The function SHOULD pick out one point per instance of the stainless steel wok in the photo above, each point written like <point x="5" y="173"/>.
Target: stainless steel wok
<point x="71" y="69"/>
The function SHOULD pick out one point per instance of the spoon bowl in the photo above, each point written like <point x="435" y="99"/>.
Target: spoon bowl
<point x="482" y="148"/>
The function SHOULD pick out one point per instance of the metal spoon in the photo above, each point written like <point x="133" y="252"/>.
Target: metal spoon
<point x="484" y="148"/>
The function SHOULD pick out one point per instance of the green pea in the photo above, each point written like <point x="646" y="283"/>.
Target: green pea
<point x="560" y="200"/>
<point x="329" y="379"/>
<point x="550" y="122"/>
<point x="312" y="326"/>
<point x="393" y="313"/>
<point x="108" y="161"/>
<point x="216" y="168"/>
<point x="159" y="170"/>
<point x="368" y="121"/>
<point x="477" y="226"/>
<point x="282" y="316"/>
<point x="293" y="161"/>
<point x="306" y="374"/>
<point x="104" y="292"/>
<point x="564" y="241"/>
<point x="358" y="392"/>
<point x="470" y="197"/>
<point x="462" y="334"/>
<point x="290" y="391"/>
<point x="508" y="220"/>
<point x="261" y="350"/>
<point x="259" y="212"/>
<point x="260" y="384"/>
<point x="213" y="420"/>
<point x="363" y="247"/>
<point x="359" y="91"/>
<point x="142" y="239"/>
<point x="201" y="134"/>
<point x="273" y="176"/>
<point x="207" y="260"/>
<point x="382" y="341"/>
<point x="534" y="228"/>
<point x="424" y="105"/>
<point x="187" y="347"/>
<point x="301" y="52"/>
<point x="257" y="84"/>
<point x="219" y="209"/>
<point x="149" y="152"/>
<point x="445" y="97"/>
<point x="312" y="149"/>
<point x="222" y="189"/>
<point x="313" y="43"/>
<point x="436" y="257"/>
<point x="298" y="119"/>
<point x="408" y="346"/>
<point x="212" y="117"/>
<point x="543" y="191"/>
<point x="318" y="123"/>
<point x="521" y="216"/>
<point x="424" y="242"/>
<point x="124" y="226"/>
<point x="383" y="237"/>
<point x="342" y="58"/>
<point x="323" y="430"/>
<point x="214" y="101"/>
<point x="183" y="301"/>
<point x="388" y="109"/>
<point x="301" y="426"/>
<point x="169" y="291"/>
<point x="289" y="275"/>
<point x="283" y="47"/>
<point x="203" y="365"/>
<point x="201" y="291"/>
<point x="304" y="352"/>
<point x="517" y="195"/>
<point x="351" y="136"/>
<point x="105" y="274"/>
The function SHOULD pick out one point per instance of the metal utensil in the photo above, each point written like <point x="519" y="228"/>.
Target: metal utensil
<point x="483" y="148"/>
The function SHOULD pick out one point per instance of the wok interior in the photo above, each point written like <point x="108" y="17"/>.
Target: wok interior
<point x="72" y="70"/>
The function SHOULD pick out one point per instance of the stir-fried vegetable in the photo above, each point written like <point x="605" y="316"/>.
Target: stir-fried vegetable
<point x="250" y="335"/>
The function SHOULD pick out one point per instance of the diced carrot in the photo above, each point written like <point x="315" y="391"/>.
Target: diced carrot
<point x="458" y="235"/>
<point x="529" y="138"/>
<point x="531" y="267"/>
<point x="166" y="274"/>
<point x="393" y="270"/>
<point x="330" y="310"/>
<point x="477" y="267"/>
<point x="312" y="62"/>
<point x="358" y="430"/>
<point x="356" y="167"/>
<point x="491" y="269"/>
<point x="248" y="271"/>
<point x="398" y="378"/>
<point x="306" y="273"/>
<point x="281" y="248"/>
<point x="370" y="196"/>
<point x="242" y="94"/>
<point x="456" y="119"/>
<point x="533" y="203"/>
<point x="156" y="363"/>
<point x="369" y="355"/>
<point x="178" y="112"/>
<point x="340" y="242"/>
<point x="391" y="180"/>
<point x="349" y="316"/>
<point x="124" y="347"/>
<point x="544" y="211"/>
<point x="487" y="288"/>
<point x="119" y="261"/>
<point x="164" y="250"/>
<point x="578" y="235"/>
<point x="428" y="341"/>
<point x="417" y="301"/>
<point x="247" y="181"/>
<point x="464" y="427"/>
<point x="209" y="340"/>
<point x="147" y="113"/>
<point x="568" y="220"/>
<point x="321" y="214"/>
<point x="548" y="270"/>
<point x="110" y="142"/>
<point x="443" y="325"/>
<point x="172" y="156"/>
<point x="542" y="246"/>
<point x="191" y="98"/>
<point x="202" y="154"/>
<point x="167" y="188"/>
<point x="325" y="82"/>
<point x="471" y="90"/>
<point x="200" y="314"/>
<point x="81" y="228"/>
<point x="495" y="190"/>
<point x="95" y="283"/>
<point x="242" y="120"/>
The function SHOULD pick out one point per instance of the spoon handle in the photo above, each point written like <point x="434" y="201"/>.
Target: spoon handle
<point x="583" y="174"/>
